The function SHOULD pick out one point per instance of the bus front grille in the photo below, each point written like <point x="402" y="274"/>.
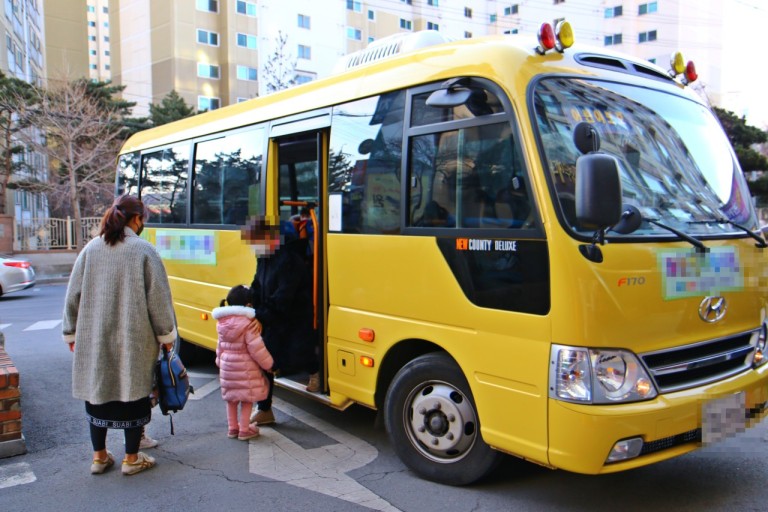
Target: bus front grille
<point x="692" y="436"/>
<point x="701" y="363"/>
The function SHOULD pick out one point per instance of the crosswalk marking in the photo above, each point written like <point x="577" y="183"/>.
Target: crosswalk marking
<point x="43" y="324"/>
<point x="320" y="469"/>
<point x="16" y="474"/>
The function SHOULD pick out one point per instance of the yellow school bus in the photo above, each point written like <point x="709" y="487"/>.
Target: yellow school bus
<point x="522" y="247"/>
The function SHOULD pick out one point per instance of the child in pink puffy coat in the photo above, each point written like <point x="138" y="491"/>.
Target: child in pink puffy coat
<point x="241" y="357"/>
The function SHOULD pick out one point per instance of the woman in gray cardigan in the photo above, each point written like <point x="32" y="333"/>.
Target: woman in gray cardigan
<point x="117" y="312"/>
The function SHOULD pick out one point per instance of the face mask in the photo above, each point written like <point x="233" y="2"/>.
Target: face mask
<point x="141" y="227"/>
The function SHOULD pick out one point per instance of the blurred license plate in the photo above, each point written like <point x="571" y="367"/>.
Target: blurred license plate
<point x="723" y="417"/>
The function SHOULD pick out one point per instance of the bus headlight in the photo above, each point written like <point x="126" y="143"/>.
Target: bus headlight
<point x="759" y="358"/>
<point x="573" y="375"/>
<point x="598" y="376"/>
<point x="619" y="377"/>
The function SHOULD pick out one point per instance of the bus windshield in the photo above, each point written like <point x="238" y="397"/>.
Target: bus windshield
<point x="675" y="162"/>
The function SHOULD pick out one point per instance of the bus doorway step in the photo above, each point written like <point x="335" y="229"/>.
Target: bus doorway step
<point x="298" y="384"/>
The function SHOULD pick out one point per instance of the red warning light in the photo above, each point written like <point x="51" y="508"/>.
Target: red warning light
<point x="546" y="38"/>
<point x="690" y="72"/>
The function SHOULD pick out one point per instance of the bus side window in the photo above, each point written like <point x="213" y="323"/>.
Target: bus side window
<point x="365" y="162"/>
<point x="164" y="184"/>
<point x="468" y="178"/>
<point x="128" y="174"/>
<point x="225" y="186"/>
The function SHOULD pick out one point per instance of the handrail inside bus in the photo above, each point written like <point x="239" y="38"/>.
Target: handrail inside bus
<point x="310" y="205"/>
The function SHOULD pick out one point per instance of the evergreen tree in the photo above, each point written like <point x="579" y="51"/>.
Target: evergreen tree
<point x="108" y="95"/>
<point x="171" y="108"/>
<point x="742" y="137"/>
<point x="14" y="94"/>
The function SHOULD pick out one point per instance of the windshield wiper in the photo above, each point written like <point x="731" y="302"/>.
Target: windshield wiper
<point x="722" y="220"/>
<point x="698" y="244"/>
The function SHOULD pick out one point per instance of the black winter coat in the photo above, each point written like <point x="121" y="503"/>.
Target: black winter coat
<point x="282" y="298"/>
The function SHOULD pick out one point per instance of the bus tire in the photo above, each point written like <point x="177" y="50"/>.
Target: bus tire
<point x="432" y="422"/>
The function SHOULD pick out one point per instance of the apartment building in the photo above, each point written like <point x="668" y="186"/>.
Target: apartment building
<point x="24" y="40"/>
<point x="24" y="58"/>
<point x="214" y="52"/>
<point x="719" y="36"/>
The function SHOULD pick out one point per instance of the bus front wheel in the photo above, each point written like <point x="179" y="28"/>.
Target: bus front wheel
<point x="432" y="422"/>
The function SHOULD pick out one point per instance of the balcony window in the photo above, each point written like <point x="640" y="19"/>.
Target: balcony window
<point x="207" y="5"/>
<point x="207" y="71"/>
<point x="247" y="73"/>
<point x="207" y="103"/>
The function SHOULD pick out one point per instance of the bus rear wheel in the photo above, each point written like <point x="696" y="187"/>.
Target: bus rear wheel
<point x="432" y="422"/>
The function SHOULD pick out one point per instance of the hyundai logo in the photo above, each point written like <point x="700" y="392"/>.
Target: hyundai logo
<point x="712" y="309"/>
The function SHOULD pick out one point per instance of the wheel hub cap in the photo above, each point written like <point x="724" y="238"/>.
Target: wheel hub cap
<point x="442" y="423"/>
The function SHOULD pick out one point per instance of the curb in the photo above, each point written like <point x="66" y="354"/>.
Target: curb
<point x="52" y="280"/>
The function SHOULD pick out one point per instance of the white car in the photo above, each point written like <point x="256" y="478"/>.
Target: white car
<point x="15" y="274"/>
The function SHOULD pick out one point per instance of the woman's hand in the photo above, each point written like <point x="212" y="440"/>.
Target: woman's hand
<point x="255" y="327"/>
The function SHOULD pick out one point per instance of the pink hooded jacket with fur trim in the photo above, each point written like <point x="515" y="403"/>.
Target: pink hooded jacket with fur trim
<point x="240" y="356"/>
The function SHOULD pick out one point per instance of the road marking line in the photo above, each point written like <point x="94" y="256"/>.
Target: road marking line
<point x="3" y="326"/>
<point x="44" y="324"/>
<point x="321" y="469"/>
<point x="16" y="474"/>
<point x="207" y="388"/>
<point x="203" y="375"/>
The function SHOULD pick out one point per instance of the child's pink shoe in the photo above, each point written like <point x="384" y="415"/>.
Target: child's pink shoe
<point x="253" y="431"/>
<point x="232" y="433"/>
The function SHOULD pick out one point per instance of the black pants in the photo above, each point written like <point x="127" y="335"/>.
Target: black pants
<point x="132" y="438"/>
<point x="266" y="404"/>
<point x="128" y="416"/>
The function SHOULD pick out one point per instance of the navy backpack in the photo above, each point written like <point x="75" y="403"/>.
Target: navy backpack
<point x="172" y="383"/>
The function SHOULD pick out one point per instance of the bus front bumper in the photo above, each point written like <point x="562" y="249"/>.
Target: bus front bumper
<point x="581" y="437"/>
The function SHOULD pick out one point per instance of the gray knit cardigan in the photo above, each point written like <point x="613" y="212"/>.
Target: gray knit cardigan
<point x="118" y="310"/>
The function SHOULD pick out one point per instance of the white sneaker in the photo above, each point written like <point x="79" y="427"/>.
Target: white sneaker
<point x="147" y="442"/>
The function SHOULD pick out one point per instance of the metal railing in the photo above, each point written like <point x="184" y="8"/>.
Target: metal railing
<point x="41" y="234"/>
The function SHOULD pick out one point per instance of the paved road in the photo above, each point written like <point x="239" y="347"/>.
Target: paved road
<point x="315" y="458"/>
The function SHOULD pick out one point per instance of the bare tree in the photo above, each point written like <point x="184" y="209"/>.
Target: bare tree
<point x="280" y="70"/>
<point x="82" y="139"/>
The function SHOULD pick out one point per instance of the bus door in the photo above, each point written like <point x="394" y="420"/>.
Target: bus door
<point x="299" y="166"/>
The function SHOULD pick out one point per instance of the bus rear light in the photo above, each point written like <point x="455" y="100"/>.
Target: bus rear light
<point x="625" y="449"/>
<point x="366" y="334"/>
<point x="366" y="361"/>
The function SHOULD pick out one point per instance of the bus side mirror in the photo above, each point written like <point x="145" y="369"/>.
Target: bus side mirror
<point x="448" y="98"/>
<point x="452" y="93"/>
<point x="598" y="191"/>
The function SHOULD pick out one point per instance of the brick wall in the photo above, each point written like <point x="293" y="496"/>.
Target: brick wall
<point x="10" y="399"/>
<point x="11" y="438"/>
